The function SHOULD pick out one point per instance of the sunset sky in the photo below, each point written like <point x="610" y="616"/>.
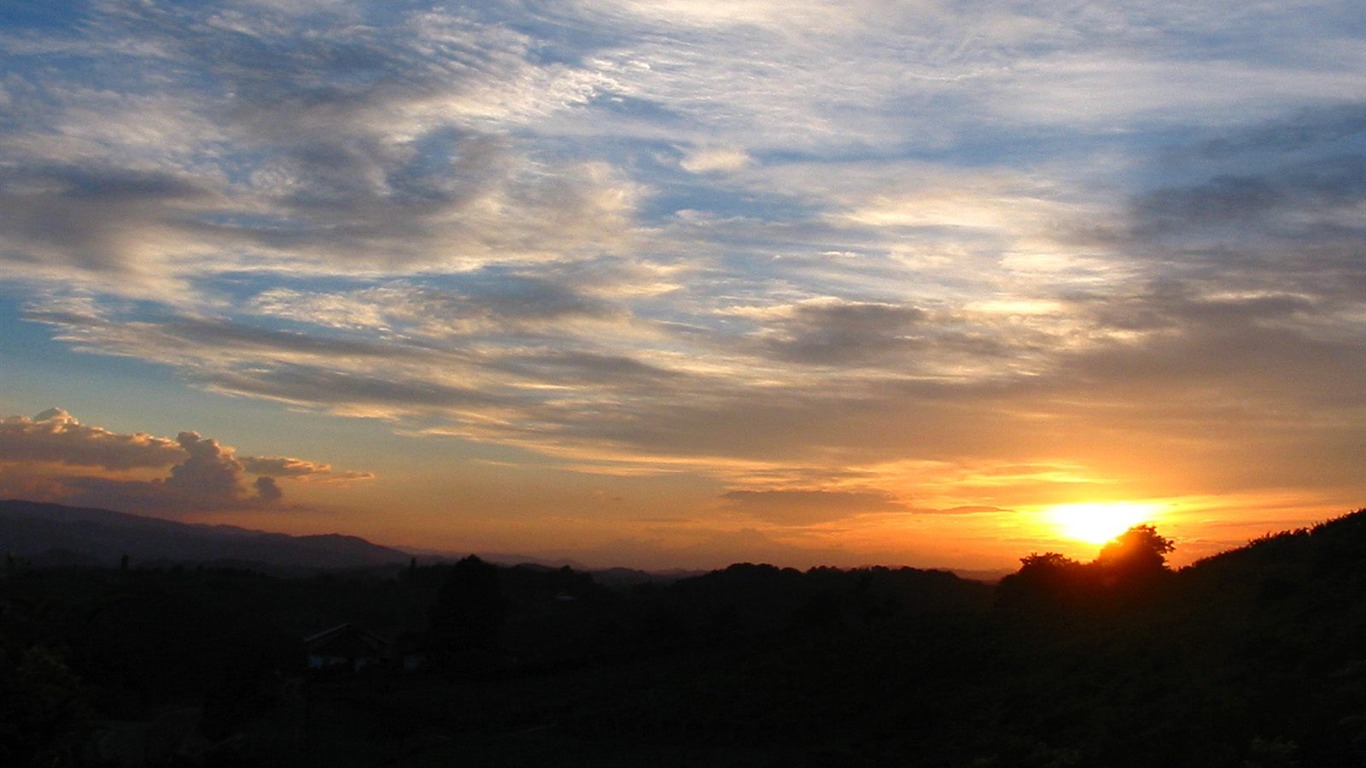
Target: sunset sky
<point x="680" y="283"/>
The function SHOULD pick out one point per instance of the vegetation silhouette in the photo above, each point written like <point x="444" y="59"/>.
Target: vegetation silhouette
<point x="1131" y="566"/>
<point x="1255" y="657"/>
<point x="466" y="625"/>
<point x="1138" y="553"/>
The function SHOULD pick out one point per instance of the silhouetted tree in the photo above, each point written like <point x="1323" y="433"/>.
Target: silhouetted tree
<point x="1138" y="552"/>
<point x="1048" y="577"/>
<point x="468" y="617"/>
<point x="1048" y="566"/>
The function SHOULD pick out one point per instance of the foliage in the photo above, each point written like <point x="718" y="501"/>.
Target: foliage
<point x="1139" y="552"/>
<point x="1049" y="574"/>
<point x="43" y="715"/>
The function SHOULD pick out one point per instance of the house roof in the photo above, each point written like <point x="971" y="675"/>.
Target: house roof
<point x="351" y="639"/>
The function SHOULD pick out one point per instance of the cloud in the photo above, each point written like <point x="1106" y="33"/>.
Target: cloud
<point x="268" y="145"/>
<point x="267" y="490"/>
<point x="1067" y="88"/>
<point x="488" y="359"/>
<point x="964" y="510"/>
<point x="210" y="471"/>
<point x="190" y="339"/>
<point x="714" y="160"/>
<point x="1303" y="198"/>
<point x="1288" y="182"/>
<point x="68" y="220"/>
<point x="488" y="300"/>
<point x="809" y="507"/>
<point x="1306" y="128"/>
<point x="716" y="237"/>
<point x="842" y="332"/>
<point x="202" y="474"/>
<point x="297" y="469"/>
<point x="56" y="436"/>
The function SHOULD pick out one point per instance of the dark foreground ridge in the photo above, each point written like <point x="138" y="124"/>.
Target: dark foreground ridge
<point x="1256" y="657"/>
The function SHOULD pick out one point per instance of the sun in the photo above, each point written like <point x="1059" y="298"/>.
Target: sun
<point x="1101" y="521"/>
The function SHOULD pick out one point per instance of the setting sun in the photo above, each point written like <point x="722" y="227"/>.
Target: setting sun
<point x="1099" y="522"/>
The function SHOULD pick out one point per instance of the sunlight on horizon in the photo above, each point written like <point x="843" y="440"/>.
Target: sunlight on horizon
<point x="1099" y="522"/>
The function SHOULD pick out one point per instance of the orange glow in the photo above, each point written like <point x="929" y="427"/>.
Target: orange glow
<point x="1099" y="522"/>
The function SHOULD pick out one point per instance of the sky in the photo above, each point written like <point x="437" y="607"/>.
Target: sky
<point x="680" y="283"/>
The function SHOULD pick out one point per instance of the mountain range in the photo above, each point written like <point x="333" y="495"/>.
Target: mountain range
<point x="52" y="534"/>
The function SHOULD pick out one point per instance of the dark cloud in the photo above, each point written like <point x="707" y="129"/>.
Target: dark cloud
<point x="1222" y="200"/>
<point x="229" y="336"/>
<point x="159" y="497"/>
<point x="809" y="507"/>
<point x="1185" y="306"/>
<point x="857" y="422"/>
<point x="1265" y="348"/>
<point x="900" y="340"/>
<point x="1307" y="189"/>
<point x="325" y="386"/>
<point x="489" y="300"/>
<point x="94" y="218"/>
<point x="210" y="479"/>
<point x="840" y="333"/>
<point x="579" y="369"/>
<point x="501" y="294"/>
<point x="1306" y="129"/>
<point x="1247" y="336"/>
<point x="1255" y="311"/>
<point x="183" y="338"/>
<point x="1261" y="197"/>
<point x="267" y="490"/>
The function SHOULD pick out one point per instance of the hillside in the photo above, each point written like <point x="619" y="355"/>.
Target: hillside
<point x="53" y="534"/>
<point x="1255" y="658"/>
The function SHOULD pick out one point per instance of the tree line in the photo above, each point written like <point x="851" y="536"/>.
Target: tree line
<point x="1250" y="658"/>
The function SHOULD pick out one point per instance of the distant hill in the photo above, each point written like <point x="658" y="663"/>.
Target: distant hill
<point x="53" y="534"/>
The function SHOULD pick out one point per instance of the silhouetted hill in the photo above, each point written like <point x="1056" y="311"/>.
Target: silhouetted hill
<point x="1332" y="549"/>
<point x="53" y="534"/>
<point x="630" y="577"/>
<point x="1255" y="657"/>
